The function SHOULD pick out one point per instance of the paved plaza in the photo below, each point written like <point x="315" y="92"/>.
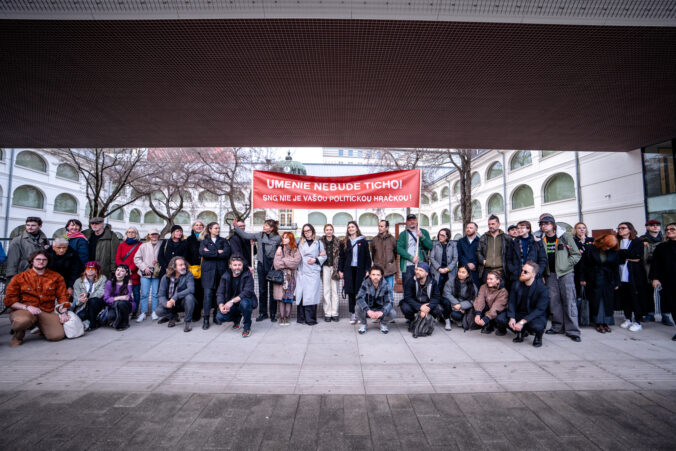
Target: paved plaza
<point x="326" y="387"/>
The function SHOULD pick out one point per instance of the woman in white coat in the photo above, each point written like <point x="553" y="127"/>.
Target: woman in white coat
<point x="309" y="276"/>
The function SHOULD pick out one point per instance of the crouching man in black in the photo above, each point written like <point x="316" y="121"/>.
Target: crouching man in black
<point x="375" y="300"/>
<point x="236" y="297"/>
<point x="176" y="293"/>
<point x="421" y="294"/>
<point x="528" y="305"/>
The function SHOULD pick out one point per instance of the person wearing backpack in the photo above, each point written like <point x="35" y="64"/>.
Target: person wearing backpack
<point x="421" y="295"/>
<point x="562" y="256"/>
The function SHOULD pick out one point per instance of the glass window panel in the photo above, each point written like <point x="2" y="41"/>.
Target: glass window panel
<point x="182" y="218"/>
<point x="476" y="209"/>
<point x="457" y="214"/>
<point x="341" y="219"/>
<point x="435" y="197"/>
<point x="206" y="196"/>
<point x="496" y="204"/>
<point x="494" y="171"/>
<point x="28" y="196"/>
<point x="424" y="199"/>
<point x="259" y="218"/>
<point x="152" y="218"/>
<point x="435" y="219"/>
<point x="135" y="216"/>
<point x="522" y="197"/>
<point x="394" y="218"/>
<point x="117" y="215"/>
<point x="560" y="187"/>
<point x="31" y="160"/>
<point x="520" y="159"/>
<point x="207" y="216"/>
<point x="65" y="203"/>
<point x="445" y="217"/>
<point x="456" y="188"/>
<point x="67" y="172"/>
<point x="547" y="153"/>
<point x="445" y="192"/>
<point x="424" y="220"/>
<point x="368" y="220"/>
<point x="476" y="179"/>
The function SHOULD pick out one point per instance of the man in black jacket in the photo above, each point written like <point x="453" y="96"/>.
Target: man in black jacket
<point x="235" y="296"/>
<point x="528" y="305"/>
<point x="241" y="246"/>
<point x="177" y="292"/>
<point x="65" y="261"/>
<point x="421" y="294"/>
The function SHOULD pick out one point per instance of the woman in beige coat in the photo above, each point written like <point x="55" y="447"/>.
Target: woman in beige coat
<point x="287" y="258"/>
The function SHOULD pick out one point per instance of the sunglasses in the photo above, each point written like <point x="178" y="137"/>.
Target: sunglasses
<point x="525" y="272"/>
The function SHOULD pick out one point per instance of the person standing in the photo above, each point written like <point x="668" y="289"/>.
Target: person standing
<point x="236" y="297"/>
<point x="287" y="260"/>
<point x="125" y="256"/>
<point x="632" y="276"/>
<point x="562" y="256"/>
<point x="601" y="278"/>
<point x="490" y="253"/>
<point x="583" y="242"/>
<point x="195" y="259"/>
<point x="375" y="300"/>
<point x="383" y="252"/>
<point x="145" y="260"/>
<point x="88" y="295"/>
<point x="444" y="259"/>
<point x="215" y="252"/>
<point x="525" y="248"/>
<point x="176" y="293"/>
<point x="411" y="239"/>
<point x="21" y="247"/>
<point x="267" y="242"/>
<point x="651" y="239"/>
<point x="354" y="263"/>
<point x="527" y="308"/>
<point x="77" y="240"/>
<point x="33" y="295"/>
<point x="663" y="270"/>
<point x="330" y="274"/>
<point x="467" y="247"/>
<point x="240" y="246"/>
<point x="174" y="246"/>
<point x="513" y="231"/>
<point x="308" y="276"/>
<point x="102" y="244"/>
<point x="64" y="261"/>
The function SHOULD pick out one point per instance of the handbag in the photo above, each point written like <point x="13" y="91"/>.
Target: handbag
<point x="157" y="269"/>
<point x="196" y="270"/>
<point x="102" y="317"/>
<point x="423" y="326"/>
<point x="582" y="308"/>
<point x="276" y="276"/>
<point x="74" y="327"/>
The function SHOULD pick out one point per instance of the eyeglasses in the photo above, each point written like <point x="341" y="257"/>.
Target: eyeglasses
<point x="623" y="228"/>
<point x="307" y="230"/>
<point x="670" y="229"/>
<point x="40" y="260"/>
<point x="237" y="259"/>
<point x="524" y="272"/>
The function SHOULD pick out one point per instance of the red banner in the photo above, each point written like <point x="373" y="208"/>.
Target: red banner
<point x="394" y="189"/>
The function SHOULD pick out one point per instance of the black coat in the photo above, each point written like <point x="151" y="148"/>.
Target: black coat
<point x="214" y="264"/>
<point x="663" y="268"/>
<point x="638" y="279"/>
<point x="240" y="246"/>
<point x="227" y="290"/>
<point x="170" y="249"/>
<point x="193" y="256"/>
<point x="583" y="247"/>
<point x="601" y="278"/>
<point x="536" y="253"/>
<point x="68" y="265"/>
<point x="429" y="294"/>
<point x="345" y="264"/>
<point x="536" y="307"/>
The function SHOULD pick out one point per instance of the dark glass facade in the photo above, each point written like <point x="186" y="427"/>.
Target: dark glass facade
<point x="660" y="182"/>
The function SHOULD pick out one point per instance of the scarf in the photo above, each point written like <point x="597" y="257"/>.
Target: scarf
<point x="73" y="235"/>
<point x="131" y="241"/>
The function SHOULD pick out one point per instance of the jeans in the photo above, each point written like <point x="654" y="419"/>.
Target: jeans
<point x="390" y="282"/>
<point x="241" y="309"/>
<point x="136" y="292"/>
<point x="152" y="285"/>
<point x="362" y="317"/>
<point x="186" y="304"/>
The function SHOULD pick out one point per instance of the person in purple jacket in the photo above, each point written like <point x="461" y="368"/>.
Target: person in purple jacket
<point x="118" y="297"/>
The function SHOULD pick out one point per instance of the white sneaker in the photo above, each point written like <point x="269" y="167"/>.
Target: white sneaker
<point x="141" y="317"/>
<point x="86" y="325"/>
<point x="35" y="330"/>
<point x="362" y="329"/>
<point x="635" y="327"/>
<point x="353" y="319"/>
<point x="626" y="324"/>
<point x="155" y="317"/>
<point x="448" y="324"/>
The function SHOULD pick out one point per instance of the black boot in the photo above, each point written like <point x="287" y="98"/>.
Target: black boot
<point x="537" y="341"/>
<point x="487" y="329"/>
<point x="187" y="326"/>
<point x="205" y="323"/>
<point x="501" y="332"/>
<point x="518" y="338"/>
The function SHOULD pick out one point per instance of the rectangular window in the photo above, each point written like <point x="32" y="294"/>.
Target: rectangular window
<point x="660" y="182"/>
<point x="285" y="218"/>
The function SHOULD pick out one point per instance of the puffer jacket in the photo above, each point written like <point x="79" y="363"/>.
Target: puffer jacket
<point x="372" y="298"/>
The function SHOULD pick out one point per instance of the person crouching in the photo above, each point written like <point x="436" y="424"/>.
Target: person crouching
<point x="375" y="300"/>
<point x="176" y="293"/>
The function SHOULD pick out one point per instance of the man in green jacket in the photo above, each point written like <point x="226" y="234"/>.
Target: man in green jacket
<point x="102" y="245"/>
<point x="406" y="246"/>
<point x="562" y="255"/>
<point x="21" y="247"/>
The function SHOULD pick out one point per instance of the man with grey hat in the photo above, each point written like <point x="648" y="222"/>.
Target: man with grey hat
<point x="102" y="245"/>
<point x="562" y="255"/>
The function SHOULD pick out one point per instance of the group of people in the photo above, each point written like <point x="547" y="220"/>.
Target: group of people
<point x="493" y="282"/>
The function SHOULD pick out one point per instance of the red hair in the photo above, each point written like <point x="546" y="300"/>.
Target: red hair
<point x="292" y="239"/>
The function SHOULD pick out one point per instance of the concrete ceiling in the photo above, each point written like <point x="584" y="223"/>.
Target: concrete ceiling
<point x="523" y="78"/>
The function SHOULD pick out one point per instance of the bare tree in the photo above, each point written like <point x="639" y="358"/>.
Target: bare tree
<point x="107" y="173"/>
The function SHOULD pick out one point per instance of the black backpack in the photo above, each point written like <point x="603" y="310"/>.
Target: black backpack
<point x="422" y="327"/>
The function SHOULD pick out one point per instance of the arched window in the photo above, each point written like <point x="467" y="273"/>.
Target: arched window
<point x="259" y="218"/>
<point x="88" y="210"/>
<point x="207" y="216"/>
<point x="435" y="219"/>
<point x="445" y="217"/>
<point x="341" y="219"/>
<point x="494" y="171"/>
<point x="424" y="220"/>
<point x="522" y="197"/>
<point x="368" y="220"/>
<point x="424" y="199"/>
<point x="157" y="196"/>
<point x="187" y="197"/>
<point x="547" y="153"/>
<point x="445" y="192"/>
<point x="118" y="214"/>
<point x="17" y="231"/>
<point x="496" y="204"/>
<point x="559" y="187"/>
<point x="31" y="160"/>
<point x="183" y="217"/>
<point x="229" y="218"/>
<point x="476" y="209"/>
<point x="317" y="219"/>
<point x="435" y="196"/>
<point x="476" y="179"/>
<point x="457" y="236"/>
<point x="456" y="188"/>
<point x="206" y="196"/>
<point x="67" y="171"/>
<point x="394" y="218"/>
<point x="65" y="203"/>
<point x="135" y="216"/>
<point x="119" y="236"/>
<point x="28" y="196"/>
<point x="152" y="218"/>
<point x="59" y="233"/>
<point x="457" y="214"/>
<point x="520" y="159"/>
